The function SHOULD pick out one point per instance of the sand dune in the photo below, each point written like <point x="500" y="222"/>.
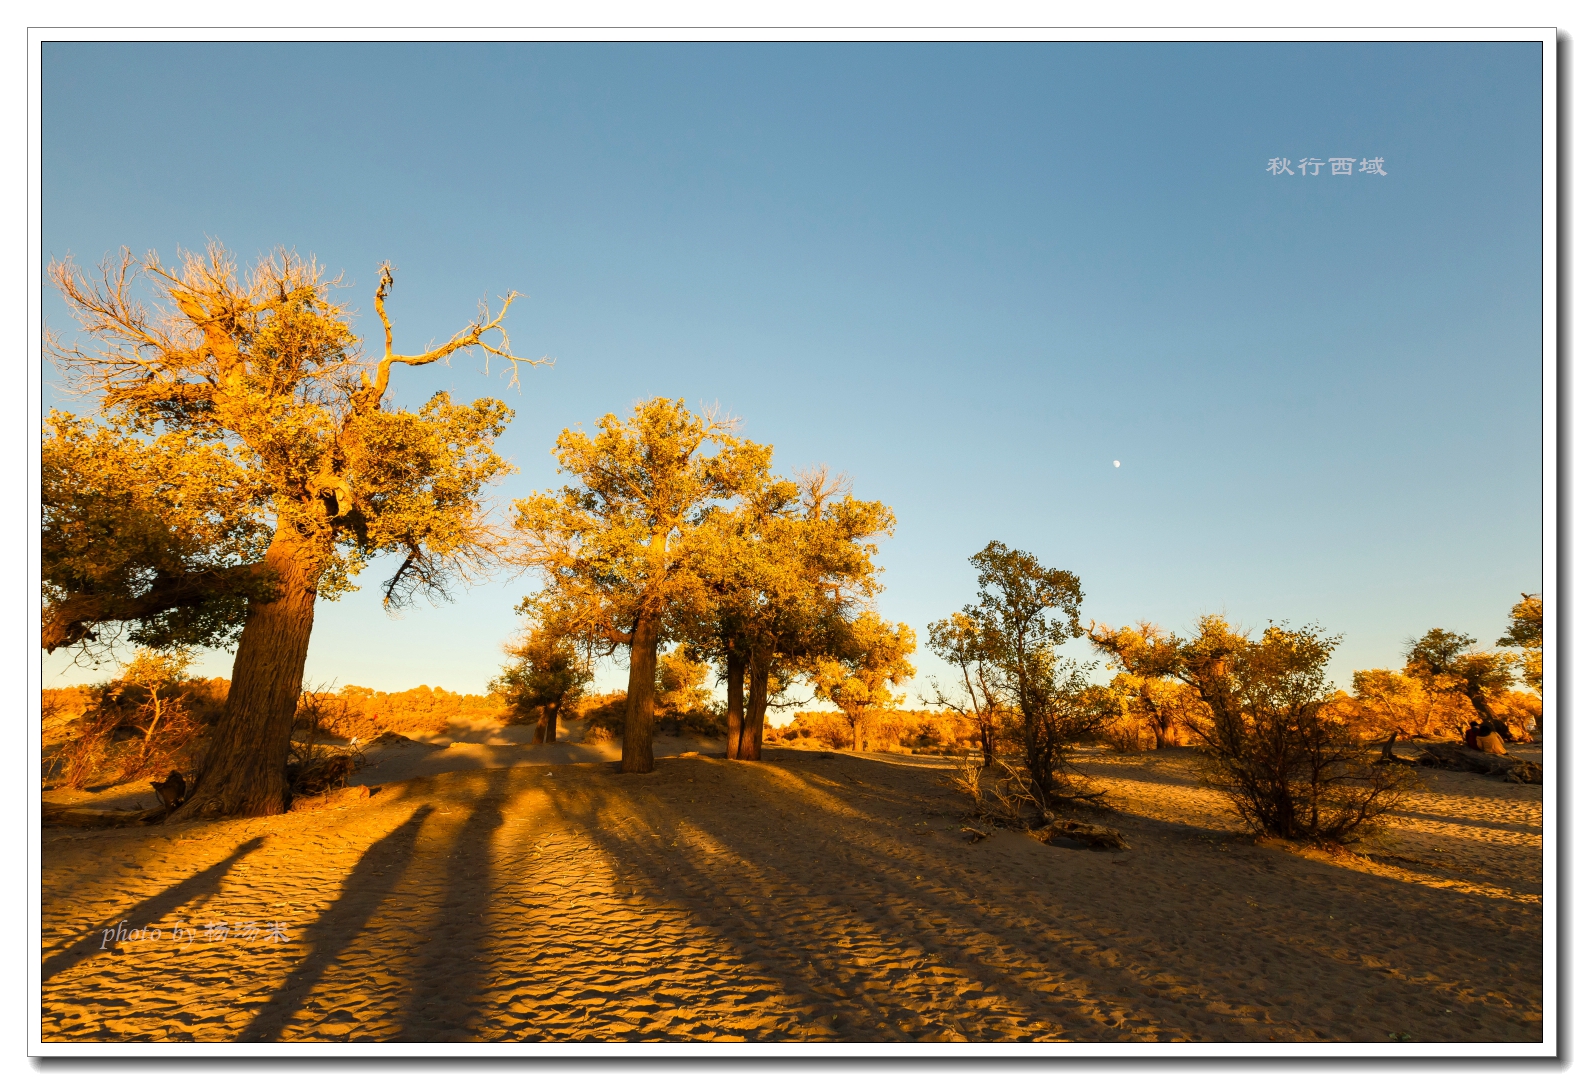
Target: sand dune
<point x="807" y="897"/>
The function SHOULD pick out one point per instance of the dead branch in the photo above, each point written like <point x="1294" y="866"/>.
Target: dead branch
<point x="466" y="339"/>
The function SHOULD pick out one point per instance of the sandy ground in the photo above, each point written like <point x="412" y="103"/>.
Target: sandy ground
<point x="807" y="897"/>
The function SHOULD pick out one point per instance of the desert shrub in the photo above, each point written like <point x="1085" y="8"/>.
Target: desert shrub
<point x="604" y="715"/>
<point x="62" y="705"/>
<point x="313" y="766"/>
<point x="147" y="721"/>
<point x="828" y="728"/>
<point x="1129" y="734"/>
<point x="1291" y="768"/>
<point x="354" y="711"/>
<point x="1003" y="792"/>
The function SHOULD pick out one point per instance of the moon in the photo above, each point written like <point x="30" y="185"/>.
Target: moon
<point x="1116" y="462"/>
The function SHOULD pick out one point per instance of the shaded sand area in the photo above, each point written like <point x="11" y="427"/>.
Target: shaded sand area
<point x="809" y="897"/>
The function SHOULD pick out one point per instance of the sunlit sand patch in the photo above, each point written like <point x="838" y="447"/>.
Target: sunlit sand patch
<point x="797" y="899"/>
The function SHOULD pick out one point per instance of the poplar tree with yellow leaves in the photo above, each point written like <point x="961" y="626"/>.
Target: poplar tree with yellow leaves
<point x="862" y="679"/>
<point x="246" y="460"/>
<point x="616" y="550"/>
<point x="785" y="573"/>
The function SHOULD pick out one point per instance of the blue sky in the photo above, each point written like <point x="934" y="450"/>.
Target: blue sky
<point x="971" y="277"/>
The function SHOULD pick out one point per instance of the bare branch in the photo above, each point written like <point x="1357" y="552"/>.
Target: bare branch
<point x="464" y="340"/>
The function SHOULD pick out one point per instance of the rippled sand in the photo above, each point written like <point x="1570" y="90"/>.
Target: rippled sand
<point x="804" y="898"/>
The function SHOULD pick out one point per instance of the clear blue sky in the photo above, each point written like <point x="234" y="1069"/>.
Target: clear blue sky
<point x="971" y="277"/>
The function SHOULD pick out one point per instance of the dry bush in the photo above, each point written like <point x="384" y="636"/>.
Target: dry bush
<point x="357" y="712"/>
<point x="423" y="709"/>
<point x="62" y="705"/>
<point x="1129" y="734"/>
<point x="829" y="729"/>
<point x="604" y="716"/>
<point x="1293" y="765"/>
<point x="1005" y="792"/>
<point x="150" y="720"/>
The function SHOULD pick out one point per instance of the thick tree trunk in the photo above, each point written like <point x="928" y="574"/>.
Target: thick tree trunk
<point x="752" y="741"/>
<point x="550" y="713"/>
<point x="244" y="768"/>
<point x="735" y="665"/>
<point x="638" y="733"/>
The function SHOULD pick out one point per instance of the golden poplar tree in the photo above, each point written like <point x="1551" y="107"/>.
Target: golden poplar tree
<point x="257" y="464"/>
<point x="785" y="573"/>
<point x="614" y="551"/>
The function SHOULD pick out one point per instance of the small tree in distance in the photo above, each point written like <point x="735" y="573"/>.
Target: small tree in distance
<point x="546" y="679"/>
<point x="1024" y="613"/>
<point x="861" y="679"/>
<point x="680" y="693"/>
<point x="1482" y="676"/>
<point x="959" y="640"/>
<point x="1527" y="631"/>
<point x="1147" y="685"/>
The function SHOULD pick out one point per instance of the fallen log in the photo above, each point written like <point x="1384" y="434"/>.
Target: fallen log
<point x="1099" y="838"/>
<point x="66" y="816"/>
<point x="1456" y="757"/>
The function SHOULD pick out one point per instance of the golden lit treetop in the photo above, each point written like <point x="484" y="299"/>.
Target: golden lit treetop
<point x="258" y="379"/>
<point x="617" y="543"/>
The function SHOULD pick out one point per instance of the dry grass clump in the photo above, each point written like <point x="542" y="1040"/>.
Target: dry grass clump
<point x="1006" y="793"/>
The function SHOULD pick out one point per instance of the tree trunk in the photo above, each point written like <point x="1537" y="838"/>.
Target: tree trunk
<point x="244" y="768"/>
<point x="638" y="732"/>
<point x="1160" y="729"/>
<point x="550" y="713"/>
<point x="735" y="665"/>
<point x="752" y="741"/>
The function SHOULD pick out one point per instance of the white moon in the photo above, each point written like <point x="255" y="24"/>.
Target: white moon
<point x="1116" y="462"/>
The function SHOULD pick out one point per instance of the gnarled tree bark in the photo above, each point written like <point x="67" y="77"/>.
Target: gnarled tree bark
<point x="244" y="769"/>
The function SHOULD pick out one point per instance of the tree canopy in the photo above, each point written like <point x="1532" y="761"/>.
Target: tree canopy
<point x="614" y="549"/>
<point x="261" y="466"/>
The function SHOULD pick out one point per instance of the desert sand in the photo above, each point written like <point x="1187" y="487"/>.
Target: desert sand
<point x="496" y="892"/>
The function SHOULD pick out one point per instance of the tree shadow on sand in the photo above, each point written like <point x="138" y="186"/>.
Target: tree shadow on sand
<point x="1189" y="964"/>
<point x="200" y="885"/>
<point x="369" y="885"/>
<point x="440" y="1006"/>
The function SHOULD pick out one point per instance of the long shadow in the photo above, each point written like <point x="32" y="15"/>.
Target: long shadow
<point x="1470" y="822"/>
<point x="368" y="885"/>
<point x="439" y="1006"/>
<point x="1083" y="925"/>
<point x="202" y="884"/>
<point x="809" y="965"/>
